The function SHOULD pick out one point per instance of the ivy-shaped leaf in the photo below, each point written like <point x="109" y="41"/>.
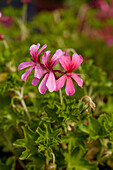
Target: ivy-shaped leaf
<point x="75" y="139"/>
<point x="47" y="138"/>
<point x="106" y="120"/>
<point x="28" y="143"/>
<point x="94" y="129"/>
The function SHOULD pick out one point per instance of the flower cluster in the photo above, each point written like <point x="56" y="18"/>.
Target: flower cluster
<point x="45" y="69"/>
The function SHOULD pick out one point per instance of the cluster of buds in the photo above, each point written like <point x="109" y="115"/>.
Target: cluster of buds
<point x="44" y="70"/>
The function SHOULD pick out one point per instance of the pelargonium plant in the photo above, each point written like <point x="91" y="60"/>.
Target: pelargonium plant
<point x="44" y="70"/>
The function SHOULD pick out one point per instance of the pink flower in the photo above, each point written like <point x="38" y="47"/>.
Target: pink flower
<point x="1" y="37"/>
<point x="69" y="66"/>
<point x="48" y="81"/>
<point x="26" y="1"/>
<point x="5" y="20"/>
<point x="35" y="63"/>
<point x="103" y="5"/>
<point x="0" y="14"/>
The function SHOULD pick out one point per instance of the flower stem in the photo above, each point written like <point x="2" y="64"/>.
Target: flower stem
<point x="23" y="103"/>
<point x="47" y="159"/>
<point x="25" y="108"/>
<point x="25" y="12"/>
<point x="5" y="44"/>
<point x="53" y="158"/>
<point x="61" y="98"/>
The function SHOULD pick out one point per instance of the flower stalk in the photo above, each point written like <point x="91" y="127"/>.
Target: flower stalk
<point x="20" y="97"/>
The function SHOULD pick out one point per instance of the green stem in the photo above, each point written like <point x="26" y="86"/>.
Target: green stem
<point x="53" y="158"/>
<point x="90" y="91"/>
<point x="5" y="44"/>
<point x="47" y="160"/>
<point x="23" y="103"/>
<point x="61" y="98"/>
<point x="25" y="12"/>
<point x="84" y="97"/>
<point x="13" y="151"/>
<point x="25" y="108"/>
<point x="85" y="90"/>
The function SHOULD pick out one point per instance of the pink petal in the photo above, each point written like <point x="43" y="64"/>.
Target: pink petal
<point x="25" y="65"/>
<point x="38" y="71"/>
<point x="0" y="14"/>
<point x="51" y="84"/>
<point x="70" y="90"/>
<point x="54" y="60"/>
<point x="41" y="49"/>
<point x="60" y="82"/>
<point x="77" y="79"/>
<point x="65" y="61"/>
<point x="35" y="81"/>
<point x="45" y="58"/>
<point x="26" y="1"/>
<point x="104" y="6"/>
<point x="76" y="61"/>
<point x="6" y="21"/>
<point x="42" y="87"/>
<point x="33" y="49"/>
<point x="26" y="74"/>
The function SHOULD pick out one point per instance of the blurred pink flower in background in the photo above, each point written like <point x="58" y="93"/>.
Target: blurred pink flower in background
<point x="26" y="1"/>
<point x="69" y="66"/>
<point x="106" y="10"/>
<point x="1" y="37"/>
<point x="106" y="34"/>
<point x="103" y="5"/>
<point x="5" y="20"/>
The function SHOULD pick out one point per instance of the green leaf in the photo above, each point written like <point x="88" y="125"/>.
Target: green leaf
<point x="25" y="154"/>
<point x="94" y="129"/>
<point x="106" y="120"/>
<point x="19" y="143"/>
<point x="28" y="143"/>
<point x="108" y="107"/>
<point x="47" y="138"/>
<point x="75" y="139"/>
<point x="76" y="160"/>
<point x="9" y="165"/>
<point x="36" y="162"/>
